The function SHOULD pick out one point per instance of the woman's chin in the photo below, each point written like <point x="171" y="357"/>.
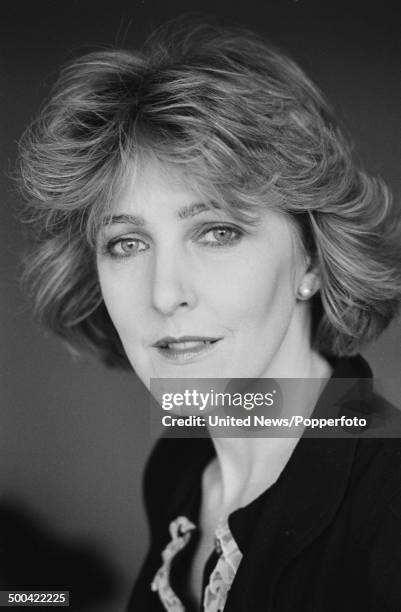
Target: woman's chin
<point x="195" y="370"/>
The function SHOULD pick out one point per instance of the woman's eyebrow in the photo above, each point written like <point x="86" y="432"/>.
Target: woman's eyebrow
<point x="183" y="213"/>
<point x="123" y="218"/>
<point x="196" y="209"/>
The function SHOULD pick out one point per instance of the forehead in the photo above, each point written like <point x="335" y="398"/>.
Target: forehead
<point x="153" y="187"/>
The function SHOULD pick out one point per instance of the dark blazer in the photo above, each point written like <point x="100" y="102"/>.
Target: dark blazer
<point x="326" y="537"/>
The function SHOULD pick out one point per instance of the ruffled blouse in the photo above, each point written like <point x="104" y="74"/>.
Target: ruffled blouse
<point x="221" y="578"/>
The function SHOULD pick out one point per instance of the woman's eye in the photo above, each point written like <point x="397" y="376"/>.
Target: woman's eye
<point x="124" y="247"/>
<point x="222" y="235"/>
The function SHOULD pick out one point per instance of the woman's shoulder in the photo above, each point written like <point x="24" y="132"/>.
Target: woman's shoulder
<point x="376" y="482"/>
<point x="384" y="420"/>
<point x="379" y="449"/>
<point x="377" y="521"/>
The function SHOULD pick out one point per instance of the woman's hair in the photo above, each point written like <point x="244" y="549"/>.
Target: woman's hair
<point x="249" y="129"/>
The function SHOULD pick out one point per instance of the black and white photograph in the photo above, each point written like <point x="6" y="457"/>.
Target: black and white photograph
<point x="201" y="290"/>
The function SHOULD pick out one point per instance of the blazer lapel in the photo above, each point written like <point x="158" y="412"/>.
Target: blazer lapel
<point x="299" y="508"/>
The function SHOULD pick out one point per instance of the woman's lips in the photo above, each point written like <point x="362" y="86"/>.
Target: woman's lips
<point x="187" y="350"/>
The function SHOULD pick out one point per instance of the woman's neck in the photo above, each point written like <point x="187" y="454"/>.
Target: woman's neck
<point x="245" y="467"/>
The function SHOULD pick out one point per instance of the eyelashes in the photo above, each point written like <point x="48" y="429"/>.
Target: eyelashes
<point x="220" y="235"/>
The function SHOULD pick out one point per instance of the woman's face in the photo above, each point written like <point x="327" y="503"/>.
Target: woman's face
<point x="193" y="292"/>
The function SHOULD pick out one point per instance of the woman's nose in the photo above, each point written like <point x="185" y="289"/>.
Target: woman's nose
<point x="173" y="283"/>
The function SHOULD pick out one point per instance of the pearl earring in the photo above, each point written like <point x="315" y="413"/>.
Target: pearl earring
<point x="304" y="292"/>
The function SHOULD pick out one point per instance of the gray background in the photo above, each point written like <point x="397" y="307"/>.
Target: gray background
<point x="73" y="435"/>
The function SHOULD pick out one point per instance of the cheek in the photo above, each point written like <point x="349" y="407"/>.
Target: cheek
<point x="254" y="291"/>
<point x="122" y="302"/>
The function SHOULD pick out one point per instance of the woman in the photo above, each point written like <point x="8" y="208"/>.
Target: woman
<point x="198" y="214"/>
